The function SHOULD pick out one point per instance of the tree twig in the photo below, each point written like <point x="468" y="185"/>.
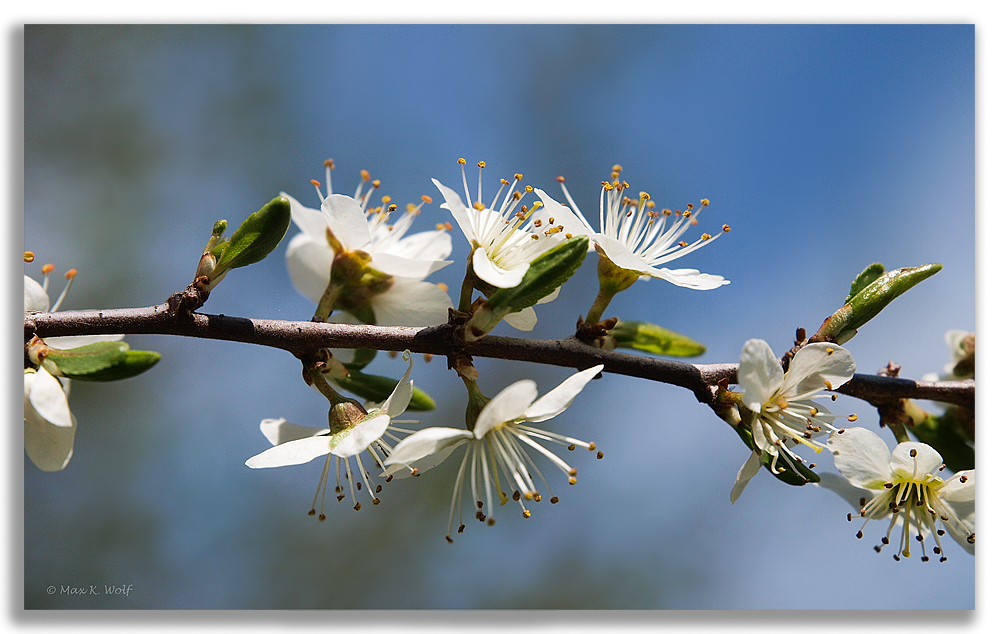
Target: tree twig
<point x="300" y="337"/>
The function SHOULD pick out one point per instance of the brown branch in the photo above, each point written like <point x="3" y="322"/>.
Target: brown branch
<point x="301" y="337"/>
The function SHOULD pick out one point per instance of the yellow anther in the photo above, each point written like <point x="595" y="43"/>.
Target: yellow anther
<point x="608" y="187"/>
<point x="617" y="168"/>
<point x="440" y="226"/>
<point x="781" y="402"/>
<point x="376" y="183"/>
<point x="516" y="196"/>
<point x="682" y="243"/>
<point x="650" y="205"/>
<point x="386" y="199"/>
<point x="426" y="199"/>
<point x="504" y="182"/>
<point x="478" y="205"/>
<point x="448" y="226"/>
<point x="726" y="228"/>
<point x="482" y="164"/>
<point x="828" y="385"/>
<point x="461" y="161"/>
<point x="392" y="207"/>
<point x="852" y="418"/>
<point x="693" y="222"/>
<point x="518" y="177"/>
<point x="365" y="176"/>
<point x="551" y="220"/>
<point x="328" y="163"/>
<point x="686" y="214"/>
<point x="560" y="179"/>
<point x="593" y="446"/>
<point x="644" y="196"/>
<point x="690" y="205"/>
<point x="527" y="514"/>
<point x="829" y="351"/>
<point x="535" y="236"/>
<point x="442" y="286"/>
<point x="572" y="480"/>
<point x="625" y="184"/>
<point x="538" y="223"/>
<point x="314" y="182"/>
<point x="29" y="256"/>
<point x="704" y="202"/>
<point x="813" y="411"/>
<point x="568" y="236"/>
<point x="528" y="189"/>
<point x="48" y="268"/>
<point x="70" y="274"/>
<point x="705" y="236"/>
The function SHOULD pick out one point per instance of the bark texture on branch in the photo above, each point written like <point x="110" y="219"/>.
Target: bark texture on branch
<point x="300" y="337"/>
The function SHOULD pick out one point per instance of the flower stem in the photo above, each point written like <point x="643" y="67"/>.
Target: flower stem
<point x="326" y="302"/>
<point x="613" y="279"/>
<point x="326" y="389"/>
<point x="467" y="286"/>
<point x="476" y="402"/>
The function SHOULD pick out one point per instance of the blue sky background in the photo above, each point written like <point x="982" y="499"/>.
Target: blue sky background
<point x="825" y="148"/>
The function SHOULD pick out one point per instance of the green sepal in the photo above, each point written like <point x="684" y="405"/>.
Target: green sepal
<point x="787" y="475"/>
<point x="547" y="273"/>
<point x="101" y="361"/>
<point x="862" y="281"/>
<point x="372" y="387"/>
<point x="257" y="236"/>
<point x="639" y="335"/>
<point x="864" y="304"/>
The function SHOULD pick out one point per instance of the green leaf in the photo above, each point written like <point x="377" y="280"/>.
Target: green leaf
<point x="655" y="339"/>
<point x="872" y="299"/>
<point x="372" y="387"/>
<point x="862" y="281"/>
<point x="101" y="361"/>
<point x="257" y="236"/>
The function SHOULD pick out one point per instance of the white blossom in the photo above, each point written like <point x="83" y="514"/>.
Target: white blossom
<point x="783" y="412"/>
<point x="904" y="485"/>
<point x="495" y="450"/>
<point x="409" y="301"/>
<point x="636" y="237"/>
<point x="296" y="444"/>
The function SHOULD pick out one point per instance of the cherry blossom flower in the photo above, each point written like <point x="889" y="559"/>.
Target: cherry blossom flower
<point x="903" y="484"/>
<point x="364" y="435"/>
<point x="783" y="412"/>
<point x="495" y="449"/>
<point x="638" y="238"/>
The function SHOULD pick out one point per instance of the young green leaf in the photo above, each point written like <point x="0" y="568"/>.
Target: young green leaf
<point x="101" y="361"/>
<point x="655" y="339"/>
<point x="257" y="236"/>
<point x="376" y="388"/>
<point x="863" y="280"/>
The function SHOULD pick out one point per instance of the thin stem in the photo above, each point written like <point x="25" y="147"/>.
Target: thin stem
<point x="327" y="301"/>
<point x="603" y="299"/>
<point x="301" y="337"/>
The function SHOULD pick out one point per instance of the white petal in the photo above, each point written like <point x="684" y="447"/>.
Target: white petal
<point x="842" y="487"/>
<point x="523" y="320"/>
<point x="348" y="222"/>
<point x="428" y="245"/>
<point x="457" y="208"/>
<point x="491" y="273"/>
<point x="311" y="222"/>
<point x="411" y="303"/>
<point x="555" y="402"/>
<point x="398" y="400"/>
<point x="563" y="215"/>
<point x="551" y="297"/>
<point x="392" y="264"/>
<point x="35" y="298"/>
<point x="965" y="512"/>
<point x="746" y="473"/>
<point x="862" y="457"/>
<point x="48" y="398"/>
<point x="508" y="405"/>
<point x="926" y="461"/>
<point x="814" y="364"/>
<point x="760" y="374"/>
<point x="425" y="443"/>
<point x="49" y="447"/>
<point x="957" y="491"/>
<point x="622" y="256"/>
<point x="362" y="435"/>
<point x="279" y="431"/>
<point x="309" y="264"/>
<point x="691" y="278"/>
<point x="289" y="453"/>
